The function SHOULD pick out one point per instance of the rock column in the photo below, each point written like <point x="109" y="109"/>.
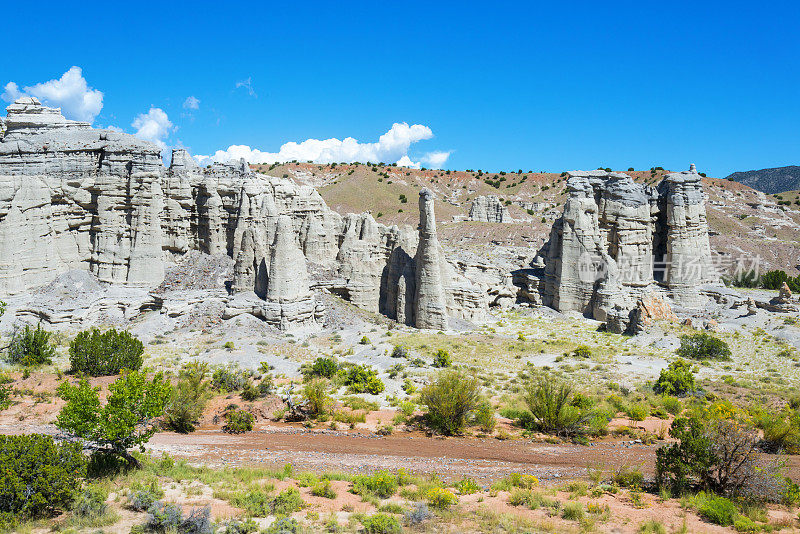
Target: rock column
<point x="429" y="302"/>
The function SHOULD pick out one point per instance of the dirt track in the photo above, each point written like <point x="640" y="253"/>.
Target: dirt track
<point x="353" y="451"/>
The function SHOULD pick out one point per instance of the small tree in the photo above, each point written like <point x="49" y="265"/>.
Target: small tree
<point x="555" y="409"/>
<point x="38" y="476"/>
<point x="105" y="353"/>
<point x="442" y="359"/>
<point x="128" y="418"/>
<point x="188" y="398"/>
<point x="31" y="347"/>
<point x="676" y="379"/>
<point x="317" y="400"/>
<point x="450" y="399"/>
<point x="703" y="346"/>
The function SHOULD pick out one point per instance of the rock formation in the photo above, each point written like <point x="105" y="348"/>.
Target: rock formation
<point x="75" y="198"/>
<point x="618" y="240"/>
<point x="488" y="208"/>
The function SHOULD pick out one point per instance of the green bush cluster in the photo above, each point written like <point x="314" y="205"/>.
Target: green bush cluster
<point x="442" y="359"/>
<point x="703" y="346"/>
<point x="230" y="378"/>
<point x="237" y="421"/>
<point x="188" y="398"/>
<point x="381" y="484"/>
<point x="775" y="279"/>
<point x="450" y="400"/>
<point x="554" y="408"/>
<point x="97" y="353"/>
<point x="363" y="379"/>
<point x="381" y="523"/>
<point x="324" y="367"/>
<point x="676" y="379"/>
<point x="38" y="476"/>
<point x="287" y="502"/>
<point x="31" y="347"/>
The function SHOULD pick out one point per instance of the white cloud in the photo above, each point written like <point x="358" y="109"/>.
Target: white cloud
<point x="437" y="159"/>
<point x="191" y="102"/>
<point x="405" y="161"/>
<point x="153" y="126"/>
<point x="70" y="92"/>
<point x="391" y="147"/>
<point x="247" y="84"/>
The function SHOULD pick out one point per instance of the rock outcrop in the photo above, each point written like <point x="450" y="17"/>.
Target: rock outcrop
<point x="75" y="198"/>
<point x="617" y="241"/>
<point x="488" y="208"/>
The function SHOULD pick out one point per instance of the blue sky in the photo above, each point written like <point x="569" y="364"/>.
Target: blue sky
<point x="499" y="86"/>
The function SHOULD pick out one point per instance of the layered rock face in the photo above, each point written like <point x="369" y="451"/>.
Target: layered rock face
<point x="77" y="198"/>
<point x="618" y="240"/>
<point x="488" y="208"/>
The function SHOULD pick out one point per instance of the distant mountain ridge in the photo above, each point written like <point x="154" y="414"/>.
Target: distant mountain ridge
<point x="770" y="181"/>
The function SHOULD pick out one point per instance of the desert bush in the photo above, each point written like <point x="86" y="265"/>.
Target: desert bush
<point x="91" y="503"/>
<point x="717" y="510"/>
<point x="582" y="351"/>
<point x="381" y="484"/>
<point x="703" y="346"/>
<point x="652" y="527"/>
<point x="441" y="498"/>
<point x="442" y="359"/>
<point x="773" y="279"/>
<point x="637" y="411"/>
<point x="106" y="353"/>
<point x="38" y="476"/>
<point x="552" y="410"/>
<point x="142" y="498"/>
<point x="676" y="379"/>
<point x="236" y="526"/>
<point x="324" y="367"/>
<point x="418" y="514"/>
<point x="230" y="378"/>
<point x="287" y="502"/>
<point x="572" y="511"/>
<point x="169" y="518"/>
<point x="317" y="400"/>
<point x="399" y="351"/>
<point x="719" y="455"/>
<point x="484" y="417"/>
<point x="781" y="430"/>
<point x="450" y="399"/>
<point x="188" y="398"/>
<point x="381" y="523"/>
<point x="238" y="421"/>
<point x="628" y="477"/>
<point x="128" y="418"/>
<point x="672" y="405"/>
<point x="282" y="525"/>
<point x="467" y="486"/>
<point x="264" y="387"/>
<point x="323" y="489"/>
<point x="31" y="347"/>
<point x="363" y="379"/>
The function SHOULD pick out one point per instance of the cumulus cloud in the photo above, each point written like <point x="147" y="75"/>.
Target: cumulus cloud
<point x="153" y="126"/>
<point x="191" y="102"/>
<point x="436" y="159"/>
<point x="248" y="85"/>
<point x="405" y="161"/>
<point x="391" y="147"/>
<point x="70" y="92"/>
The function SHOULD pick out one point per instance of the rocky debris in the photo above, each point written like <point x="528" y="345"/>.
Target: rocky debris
<point x="488" y="208"/>
<point x="784" y="295"/>
<point x="650" y="309"/>
<point x="752" y="308"/>
<point x="618" y="241"/>
<point x="76" y="198"/>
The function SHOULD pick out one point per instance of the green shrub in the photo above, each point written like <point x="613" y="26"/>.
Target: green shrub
<point x="582" y="352"/>
<point x="91" y="503"/>
<point x="718" y="510"/>
<point x="317" y="400"/>
<point x="484" y="417"/>
<point x="703" y="346"/>
<point x="324" y="367"/>
<point x="442" y="359"/>
<point x="400" y="352"/>
<point x="168" y="518"/>
<point x="637" y="411"/>
<point x="774" y="279"/>
<point x="781" y="430"/>
<point x="450" y="399"/>
<point x="364" y="341"/>
<point x="238" y="421"/>
<point x="363" y="379"/>
<point x="381" y="524"/>
<point x="573" y="511"/>
<point x="143" y="497"/>
<point x="282" y="525"/>
<point x="381" y="484"/>
<point x="31" y="347"/>
<point x="323" y="489"/>
<point x="38" y="476"/>
<point x="552" y="410"/>
<point x="188" y="398"/>
<point x="287" y="502"/>
<point x="230" y="378"/>
<point x="441" y="498"/>
<point x="676" y="379"/>
<point x="252" y="392"/>
<point x="105" y="353"/>
<point x="652" y="527"/>
<point x="467" y="486"/>
<point x="628" y="477"/>
<point x="672" y="405"/>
